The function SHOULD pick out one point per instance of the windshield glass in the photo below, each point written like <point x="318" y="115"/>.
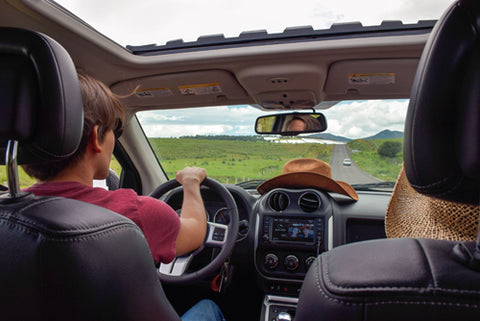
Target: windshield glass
<point x="363" y="142"/>
<point x="151" y="21"/>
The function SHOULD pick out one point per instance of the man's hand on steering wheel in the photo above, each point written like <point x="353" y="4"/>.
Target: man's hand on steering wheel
<point x="218" y="235"/>
<point x="193" y="219"/>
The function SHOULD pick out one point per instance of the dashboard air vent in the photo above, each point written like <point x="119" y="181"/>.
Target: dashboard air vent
<point x="309" y="202"/>
<point x="279" y="201"/>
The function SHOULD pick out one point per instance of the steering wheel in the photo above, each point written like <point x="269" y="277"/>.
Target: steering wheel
<point x="218" y="236"/>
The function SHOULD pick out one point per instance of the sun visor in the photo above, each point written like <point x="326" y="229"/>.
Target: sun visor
<point x="200" y="88"/>
<point x="370" y="79"/>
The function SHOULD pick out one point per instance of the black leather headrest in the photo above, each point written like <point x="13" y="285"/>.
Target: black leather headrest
<point x="40" y="101"/>
<point x="442" y="129"/>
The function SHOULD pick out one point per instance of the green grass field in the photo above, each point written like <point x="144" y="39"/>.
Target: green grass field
<point x="364" y="154"/>
<point x="231" y="160"/>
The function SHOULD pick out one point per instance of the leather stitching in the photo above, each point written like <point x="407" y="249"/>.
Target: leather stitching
<point x="384" y="302"/>
<point x="10" y="216"/>
<point x="66" y="238"/>
<point x="329" y="283"/>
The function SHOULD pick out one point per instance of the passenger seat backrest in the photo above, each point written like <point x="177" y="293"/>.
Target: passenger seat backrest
<point x="408" y="278"/>
<point x="442" y="128"/>
<point x="61" y="259"/>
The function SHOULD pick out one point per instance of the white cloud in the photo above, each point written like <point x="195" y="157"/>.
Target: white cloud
<point x="223" y="120"/>
<point x="356" y="119"/>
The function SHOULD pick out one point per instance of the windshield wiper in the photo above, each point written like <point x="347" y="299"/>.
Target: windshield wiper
<point x="253" y="184"/>
<point x="374" y="186"/>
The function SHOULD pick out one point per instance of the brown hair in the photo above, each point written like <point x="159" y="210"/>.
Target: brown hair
<point x="311" y="123"/>
<point x="101" y="107"/>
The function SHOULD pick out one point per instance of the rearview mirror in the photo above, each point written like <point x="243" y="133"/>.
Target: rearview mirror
<point x="290" y="124"/>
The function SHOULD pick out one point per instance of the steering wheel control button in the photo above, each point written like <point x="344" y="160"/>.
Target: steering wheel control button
<point x="218" y="234"/>
<point x="291" y="262"/>
<point x="271" y="261"/>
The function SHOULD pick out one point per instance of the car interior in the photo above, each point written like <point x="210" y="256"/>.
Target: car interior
<point x="63" y="258"/>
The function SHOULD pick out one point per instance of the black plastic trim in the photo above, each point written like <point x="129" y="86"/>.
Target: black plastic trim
<point x="293" y="34"/>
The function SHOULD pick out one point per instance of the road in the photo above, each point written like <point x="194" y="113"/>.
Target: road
<point x="351" y="174"/>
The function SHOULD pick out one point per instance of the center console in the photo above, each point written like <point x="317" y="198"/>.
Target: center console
<point x="292" y="228"/>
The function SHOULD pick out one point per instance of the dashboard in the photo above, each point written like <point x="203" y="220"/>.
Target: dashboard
<point x="283" y="231"/>
<point x="294" y="226"/>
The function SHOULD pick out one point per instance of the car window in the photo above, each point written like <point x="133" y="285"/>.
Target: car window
<point x="26" y="181"/>
<point x="363" y="142"/>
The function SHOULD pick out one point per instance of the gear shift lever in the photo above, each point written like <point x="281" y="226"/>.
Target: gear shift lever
<point x="283" y="316"/>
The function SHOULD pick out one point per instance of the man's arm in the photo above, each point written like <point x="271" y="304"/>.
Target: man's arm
<point x="193" y="219"/>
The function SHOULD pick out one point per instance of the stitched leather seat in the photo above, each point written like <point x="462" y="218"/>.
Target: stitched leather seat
<point x="419" y="279"/>
<point x="62" y="259"/>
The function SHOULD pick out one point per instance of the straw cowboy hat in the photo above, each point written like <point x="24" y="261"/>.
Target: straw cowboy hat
<point x="308" y="172"/>
<point x="411" y="214"/>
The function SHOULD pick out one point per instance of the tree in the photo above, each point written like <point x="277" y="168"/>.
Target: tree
<point x="389" y="149"/>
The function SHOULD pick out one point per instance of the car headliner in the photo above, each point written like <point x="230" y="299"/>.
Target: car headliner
<point x="318" y="69"/>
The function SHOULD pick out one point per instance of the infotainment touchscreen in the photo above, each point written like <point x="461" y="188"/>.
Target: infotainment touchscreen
<point x="293" y="230"/>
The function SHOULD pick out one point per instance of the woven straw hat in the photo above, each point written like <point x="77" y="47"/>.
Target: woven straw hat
<point x="308" y="172"/>
<point x="411" y="214"/>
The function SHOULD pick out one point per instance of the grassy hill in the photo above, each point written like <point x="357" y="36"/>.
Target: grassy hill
<point x="386" y="134"/>
<point x="330" y="137"/>
<point x="364" y="154"/>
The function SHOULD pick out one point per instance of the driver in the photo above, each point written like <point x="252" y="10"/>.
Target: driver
<point x="303" y="122"/>
<point x="167" y="234"/>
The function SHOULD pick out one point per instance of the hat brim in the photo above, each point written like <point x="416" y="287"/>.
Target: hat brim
<point x="308" y="179"/>
<point x="411" y="214"/>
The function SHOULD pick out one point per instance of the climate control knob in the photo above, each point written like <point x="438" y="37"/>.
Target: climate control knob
<point x="270" y="261"/>
<point x="291" y="262"/>
<point x="308" y="261"/>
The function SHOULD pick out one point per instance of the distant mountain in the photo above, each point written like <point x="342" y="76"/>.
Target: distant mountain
<point x="386" y="134"/>
<point x="330" y="137"/>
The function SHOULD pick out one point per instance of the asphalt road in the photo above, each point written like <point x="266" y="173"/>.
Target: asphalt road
<point x="350" y="174"/>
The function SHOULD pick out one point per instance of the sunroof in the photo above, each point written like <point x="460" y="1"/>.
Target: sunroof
<point x="158" y="22"/>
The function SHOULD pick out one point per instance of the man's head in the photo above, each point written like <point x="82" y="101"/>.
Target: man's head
<point x="102" y="111"/>
<point x="303" y="122"/>
<point x="296" y="125"/>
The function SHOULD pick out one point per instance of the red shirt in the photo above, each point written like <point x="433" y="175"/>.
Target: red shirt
<point x="159" y="222"/>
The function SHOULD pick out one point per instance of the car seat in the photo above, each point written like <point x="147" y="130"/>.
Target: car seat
<point x="419" y="278"/>
<point x="61" y="259"/>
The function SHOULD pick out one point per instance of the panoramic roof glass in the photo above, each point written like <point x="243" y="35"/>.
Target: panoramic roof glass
<point x="157" y="22"/>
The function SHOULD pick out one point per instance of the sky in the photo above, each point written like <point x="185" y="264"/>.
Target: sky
<point x="158" y="21"/>
<point x="353" y="119"/>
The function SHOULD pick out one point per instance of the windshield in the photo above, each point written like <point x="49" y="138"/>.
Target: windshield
<point x="363" y="143"/>
<point x="151" y="21"/>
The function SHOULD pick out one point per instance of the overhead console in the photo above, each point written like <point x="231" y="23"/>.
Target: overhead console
<point x="284" y="85"/>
